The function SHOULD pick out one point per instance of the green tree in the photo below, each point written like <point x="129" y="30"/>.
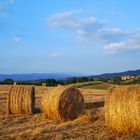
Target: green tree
<point x="71" y="80"/>
<point x="116" y="80"/>
<point x="51" y="82"/>
<point x="82" y="79"/>
<point x="8" y="81"/>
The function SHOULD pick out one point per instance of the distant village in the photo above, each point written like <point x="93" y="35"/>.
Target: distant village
<point x="129" y="77"/>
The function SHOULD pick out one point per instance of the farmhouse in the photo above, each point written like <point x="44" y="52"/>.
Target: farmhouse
<point x="127" y="77"/>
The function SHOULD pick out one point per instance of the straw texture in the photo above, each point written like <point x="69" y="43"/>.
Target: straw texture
<point x="62" y="103"/>
<point x="122" y="109"/>
<point x="21" y="100"/>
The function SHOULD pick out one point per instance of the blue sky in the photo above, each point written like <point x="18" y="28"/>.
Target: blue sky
<point x="85" y="36"/>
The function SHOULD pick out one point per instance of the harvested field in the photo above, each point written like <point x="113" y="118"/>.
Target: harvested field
<point x="36" y="127"/>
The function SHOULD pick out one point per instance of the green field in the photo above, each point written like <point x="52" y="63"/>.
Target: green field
<point x="102" y="86"/>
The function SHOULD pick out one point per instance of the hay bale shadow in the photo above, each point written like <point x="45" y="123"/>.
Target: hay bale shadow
<point x="91" y="105"/>
<point x="38" y="110"/>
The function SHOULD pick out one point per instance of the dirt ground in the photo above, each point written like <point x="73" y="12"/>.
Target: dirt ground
<point x="37" y="127"/>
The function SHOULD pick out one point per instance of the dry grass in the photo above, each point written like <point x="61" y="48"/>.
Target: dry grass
<point x="37" y="127"/>
<point x="85" y="119"/>
<point x="62" y="103"/>
<point x="21" y="100"/>
<point x="122" y="109"/>
<point x="92" y="95"/>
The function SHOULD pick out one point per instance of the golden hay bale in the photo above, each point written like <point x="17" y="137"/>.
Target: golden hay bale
<point x="62" y="103"/>
<point x="44" y="84"/>
<point x="21" y="100"/>
<point x="15" y="83"/>
<point x="122" y="109"/>
<point x="59" y="85"/>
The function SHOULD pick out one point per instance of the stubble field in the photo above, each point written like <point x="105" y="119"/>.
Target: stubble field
<point x="37" y="127"/>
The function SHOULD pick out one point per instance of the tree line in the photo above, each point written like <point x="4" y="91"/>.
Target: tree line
<point x="72" y="80"/>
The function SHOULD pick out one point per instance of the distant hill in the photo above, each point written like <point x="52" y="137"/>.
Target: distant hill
<point x="109" y="75"/>
<point x="36" y="76"/>
<point x="57" y="76"/>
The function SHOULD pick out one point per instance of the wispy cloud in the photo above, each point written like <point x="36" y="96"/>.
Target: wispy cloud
<point x="114" y="47"/>
<point x="128" y="40"/>
<point x="113" y="40"/>
<point x="17" y="39"/>
<point x="5" y="8"/>
<point x="56" y="54"/>
<point x="68" y="20"/>
<point x="12" y="1"/>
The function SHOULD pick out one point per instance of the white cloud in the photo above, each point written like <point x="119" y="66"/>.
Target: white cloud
<point x="17" y="39"/>
<point x="113" y="40"/>
<point x="5" y="8"/>
<point x="12" y="1"/>
<point x="131" y="41"/>
<point x="114" y="47"/>
<point x="56" y="54"/>
<point x="68" y="20"/>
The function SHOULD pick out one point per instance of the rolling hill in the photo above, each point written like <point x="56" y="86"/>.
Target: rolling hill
<point x="109" y="75"/>
<point x="39" y="76"/>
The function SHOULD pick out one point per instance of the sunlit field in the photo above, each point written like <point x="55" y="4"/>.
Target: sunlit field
<point x="90" y="125"/>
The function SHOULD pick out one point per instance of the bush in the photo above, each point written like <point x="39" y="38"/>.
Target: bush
<point x="7" y="82"/>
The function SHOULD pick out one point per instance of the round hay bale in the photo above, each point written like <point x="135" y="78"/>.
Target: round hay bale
<point x="62" y="103"/>
<point x="21" y="100"/>
<point x="8" y="100"/>
<point x="44" y="84"/>
<point x="15" y="83"/>
<point x="59" y="85"/>
<point x="122" y="109"/>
